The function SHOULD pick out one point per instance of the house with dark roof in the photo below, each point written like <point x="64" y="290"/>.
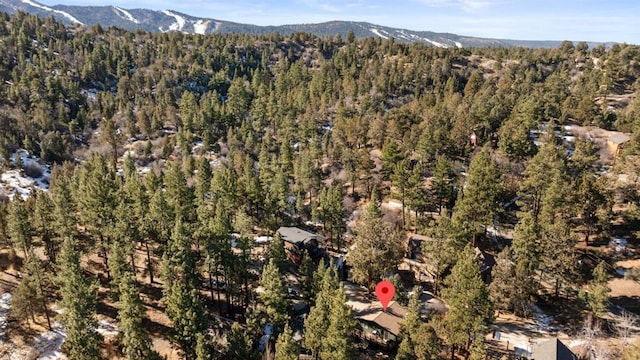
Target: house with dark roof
<point x="296" y="241"/>
<point x="379" y="326"/>
<point x="552" y="349"/>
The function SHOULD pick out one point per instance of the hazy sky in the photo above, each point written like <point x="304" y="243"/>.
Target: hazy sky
<point x="592" y="20"/>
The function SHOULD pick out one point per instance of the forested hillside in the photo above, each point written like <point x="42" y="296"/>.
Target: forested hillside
<point x="163" y="145"/>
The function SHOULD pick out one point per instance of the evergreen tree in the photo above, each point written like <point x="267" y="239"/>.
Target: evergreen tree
<point x="78" y="299"/>
<point x="332" y="214"/>
<point x="185" y="310"/>
<point x="419" y="339"/>
<point x="477" y="350"/>
<point x="181" y="295"/>
<point x="136" y="343"/>
<point x="426" y="343"/>
<point x="286" y="347"/>
<point x="96" y="200"/>
<point x="278" y="254"/>
<point x="43" y="223"/>
<point x="598" y="297"/>
<point x="548" y="164"/>
<point x="479" y="201"/>
<point x="410" y="326"/>
<point x="501" y="287"/>
<point x="307" y="269"/>
<point x="336" y="344"/>
<point x="64" y="209"/>
<point x="442" y="184"/>
<point x="444" y="247"/>
<point x="239" y="345"/>
<point x="377" y="247"/>
<point x="274" y="298"/>
<point x="470" y="309"/>
<point x="558" y="254"/>
<point x="318" y="320"/>
<point x="18" y="226"/>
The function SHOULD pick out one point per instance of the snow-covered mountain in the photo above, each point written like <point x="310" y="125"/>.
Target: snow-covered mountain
<point x="169" y="20"/>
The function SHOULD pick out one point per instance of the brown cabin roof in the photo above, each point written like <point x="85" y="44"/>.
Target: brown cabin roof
<point x="389" y="320"/>
<point x="618" y="138"/>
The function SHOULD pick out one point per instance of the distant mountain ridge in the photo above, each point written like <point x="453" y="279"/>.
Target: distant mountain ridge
<point x="169" y="20"/>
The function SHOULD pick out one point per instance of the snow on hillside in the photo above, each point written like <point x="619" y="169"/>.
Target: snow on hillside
<point x="127" y="15"/>
<point x="180" y="21"/>
<point x="46" y="8"/>
<point x="16" y="181"/>
<point x="377" y="32"/>
<point x="200" y="27"/>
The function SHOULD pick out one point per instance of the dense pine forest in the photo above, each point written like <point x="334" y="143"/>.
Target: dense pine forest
<point x="169" y="154"/>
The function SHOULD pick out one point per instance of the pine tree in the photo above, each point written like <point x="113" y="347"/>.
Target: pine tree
<point x="78" y="299"/>
<point x="18" y="225"/>
<point x="598" y="297"/>
<point x="278" y="254"/>
<point x="336" y="344"/>
<point x="329" y="323"/>
<point x="286" y="347"/>
<point x="409" y="327"/>
<point x="332" y="214"/>
<point x="400" y="180"/>
<point x="239" y="345"/>
<point x="43" y="220"/>
<point x="187" y="315"/>
<point x="444" y="248"/>
<point x="479" y="201"/>
<point x="64" y="208"/>
<point x="377" y="247"/>
<point x="274" y="302"/>
<point x="181" y="295"/>
<point x="426" y="343"/>
<point x="306" y="270"/>
<point x="501" y="286"/>
<point x="317" y="322"/>
<point x="558" y="254"/>
<point x="548" y="164"/>
<point x="136" y="343"/>
<point x="96" y="198"/>
<point x="477" y="350"/>
<point x="467" y="296"/>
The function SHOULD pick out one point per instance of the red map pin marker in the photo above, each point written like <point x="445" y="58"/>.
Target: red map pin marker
<point x="385" y="291"/>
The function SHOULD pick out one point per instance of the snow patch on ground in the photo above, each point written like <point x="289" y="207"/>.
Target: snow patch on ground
<point x="180" y="21"/>
<point x="5" y="307"/>
<point x="377" y="32"/>
<point x="127" y="15"/>
<point x="65" y="14"/>
<point x="458" y="44"/>
<point x="543" y="321"/>
<point x="200" y="27"/>
<point x="16" y="182"/>
<point x="107" y="328"/>
<point x="49" y="344"/>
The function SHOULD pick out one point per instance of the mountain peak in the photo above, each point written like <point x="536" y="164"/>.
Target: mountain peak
<point x="171" y="20"/>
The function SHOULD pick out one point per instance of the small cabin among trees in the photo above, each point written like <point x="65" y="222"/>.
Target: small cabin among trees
<point x="379" y="326"/>
<point x="297" y="240"/>
<point x="616" y="141"/>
